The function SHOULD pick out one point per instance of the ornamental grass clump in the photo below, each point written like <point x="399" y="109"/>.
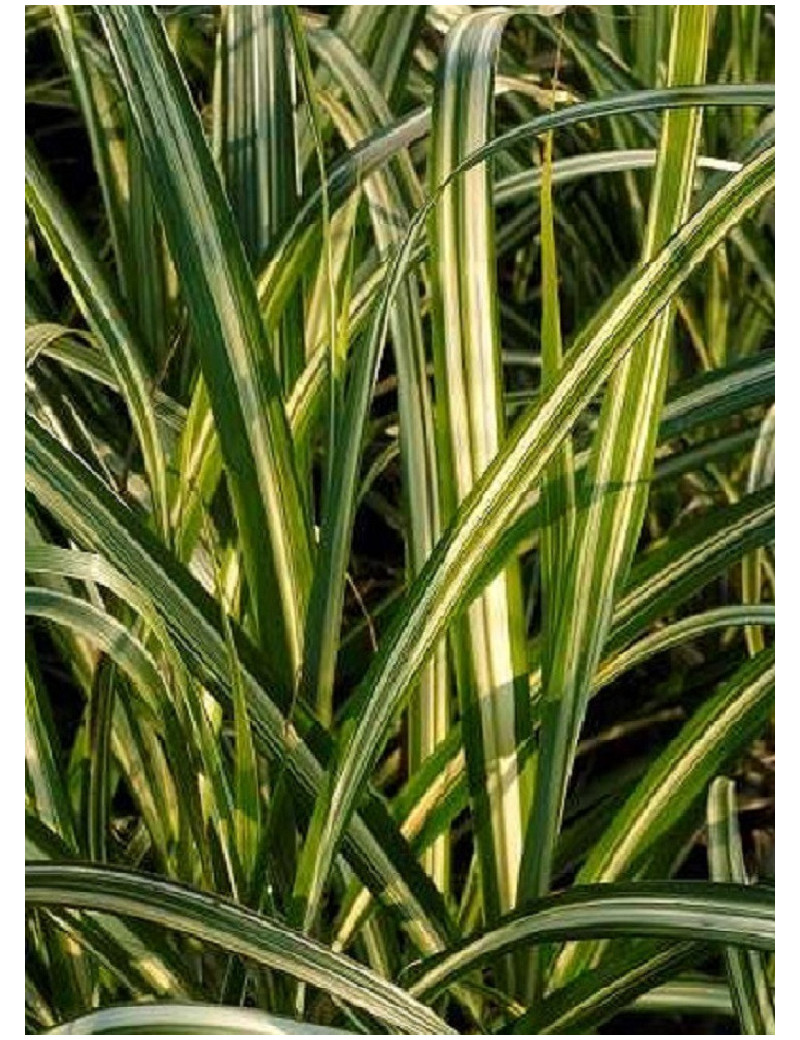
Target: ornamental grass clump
<point x="399" y="519"/>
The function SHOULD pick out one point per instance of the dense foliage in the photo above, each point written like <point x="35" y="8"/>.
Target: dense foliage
<point x="399" y="518"/>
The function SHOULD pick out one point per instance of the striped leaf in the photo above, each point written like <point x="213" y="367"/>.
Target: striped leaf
<point x="614" y="496"/>
<point x="443" y="586"/>
<point x="221" y="922"/>
<point x="747" y="977"/>
<point x="385" y="193"/>
<point x="719" y="730"/>
<point x="99" y="521"/>
<point x="241" y="381"/>
<point x="684" y="910"/>
<point x="177" y="1018"/>
<point x="103" y="312"/>
<point x="488" y="645"/>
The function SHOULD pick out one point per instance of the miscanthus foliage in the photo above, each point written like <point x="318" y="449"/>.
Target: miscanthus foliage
<point x="399" y="519"/>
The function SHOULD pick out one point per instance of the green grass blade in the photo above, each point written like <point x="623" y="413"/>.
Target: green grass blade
<point x="685" y="910"/>
<point x="141" y="760"/>
<point x="393" y="53"/>
<point x="558" y="484"/>
<point x="714" y="735"/>
<point x="41" y="339"/>
<point x="675" y="634"/>
<point x="335" y="364"/>
<point x="719" y="730"/>
<point x="747" y="977"/>
<point x="489" y="643"/>
<point x="48" y="791"/>
<point x="230" y="925"/>
<point x="97" y="104"/>
<point x="198" y="460"/>
<point x="429" y="710"/>
<point x="256" y="123"/>
<point x="762" y="472"/>
<point x="256" y="113"/>
<point x="610" y="515"/>
<point x="100" y="725"/>
<point x="595" y="996"/>
<point x="106" y="633"/>
<point x="95" y="518"/>
<point x="327" y="593"/>
<point x="670" y="573"/>
<point x="149" y="291"/>
<point x="247" y="795"/>
<point x="241" y="381"/>
<point x="442" y="587"/>
<point x="574" y="167"/>
<point x="717" y="395"/>
<point x="96" y="300"/>
<point x="175" y="1018"/>
<point x="690" y="996"/>
<point x="557" y="492"/>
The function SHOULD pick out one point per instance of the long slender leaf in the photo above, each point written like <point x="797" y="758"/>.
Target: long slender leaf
<point x="429" y="711"/>
<point x="98" y="520"/>
<point x="48" y="790"/>
<point x="441" y="588"/>
<point x="596" y="996"/>
<point x="717" y="913"/>
<point x="197" y="1019"/>
<point x="276" y="280"/>
<point x="108" y="152"/>
<point x="99" y="305"/>
<point x="489" y="643"/>
<point x="747" y="976"/>
<point x="224" y="923"/>
<point x="241" y="381"/>
<point x="715" y="734"/>
<point x="608" y="524"/>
